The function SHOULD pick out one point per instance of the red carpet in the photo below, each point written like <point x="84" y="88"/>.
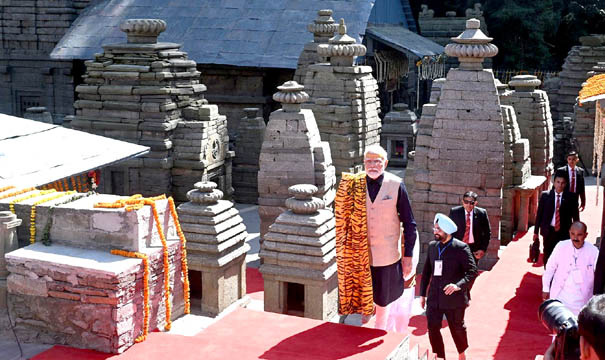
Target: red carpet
<point x="254" y="284"/>
<point x="502" y="323"/>
<point x="502" y="319"/>
<point x="249" y="334"/>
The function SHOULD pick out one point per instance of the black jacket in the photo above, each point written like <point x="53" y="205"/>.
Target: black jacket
<point x="481" y="229"/>
<point x="546" y="209"/>
<point x="458" y="268"/>
<point x="580" y="187"/>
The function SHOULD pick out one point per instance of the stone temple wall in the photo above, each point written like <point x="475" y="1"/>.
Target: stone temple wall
<point x="517" y="169"/>
<point x="441" y="29"/>
<point x="292" y="153"/>
<point x="579" y="61"/>
<point x="532" y="109"/>
<point x="75" y="292"/>
<point x="29" y="31"/>
<point x="468" y="109"/>
<point x="149" y="93"/>
<point x="323" y="29"/>
<point x="344" y="99"/>
<point x="583" y="130"/>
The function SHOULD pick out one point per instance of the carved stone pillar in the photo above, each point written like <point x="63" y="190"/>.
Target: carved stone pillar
<point x="8" y="243"/>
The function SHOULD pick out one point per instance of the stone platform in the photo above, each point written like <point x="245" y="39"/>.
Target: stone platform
<point x="88" y="298"/>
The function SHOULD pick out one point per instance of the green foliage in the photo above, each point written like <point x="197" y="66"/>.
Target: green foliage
<point x="532" y="34"/>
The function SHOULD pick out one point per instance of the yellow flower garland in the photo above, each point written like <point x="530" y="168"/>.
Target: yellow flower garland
<point x="184" y="266"/>
<point x="145" y="258"/>
<point x="136" y="202"/>
<point x="32" y="216"/>
<point x="39" y="193"/>
<point x="19" y="192"/>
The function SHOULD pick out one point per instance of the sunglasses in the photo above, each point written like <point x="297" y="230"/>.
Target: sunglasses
<point x="469" y="202"/>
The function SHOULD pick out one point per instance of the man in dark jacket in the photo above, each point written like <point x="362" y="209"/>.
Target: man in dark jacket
<point x="448" y="269"/>
<point x="557" y="209"/>
<point x="574" y="177"/>
<point x="473" y="225"/>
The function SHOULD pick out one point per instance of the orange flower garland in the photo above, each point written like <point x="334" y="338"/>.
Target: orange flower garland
<point x="19" y="192"/>
<point x="32" y="216"/>
<point x="166" y="264"/>
<point x="73" y="183"/>
<point x="79" y="183"/>
<point x="594" y="86"/>
<point x="184" y="266"/>
<point x="145" y="258"/>
<point x="3" y="189"/>
<point x="136" y="202"/>
<point x="39" y="193"/>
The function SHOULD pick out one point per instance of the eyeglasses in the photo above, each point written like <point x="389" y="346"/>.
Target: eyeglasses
<point x="469" y="202"/>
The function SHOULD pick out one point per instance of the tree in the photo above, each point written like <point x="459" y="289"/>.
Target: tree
<point x="531" y="34"/>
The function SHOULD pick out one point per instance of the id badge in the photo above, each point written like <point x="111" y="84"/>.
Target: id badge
<point x="438" y="268"/>
<point x="576" y="276"/>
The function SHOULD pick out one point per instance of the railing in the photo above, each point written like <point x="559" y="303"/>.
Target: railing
<point x="505" y="75"/>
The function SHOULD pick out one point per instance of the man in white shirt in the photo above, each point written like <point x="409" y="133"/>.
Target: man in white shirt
<point x="569" y="274"/>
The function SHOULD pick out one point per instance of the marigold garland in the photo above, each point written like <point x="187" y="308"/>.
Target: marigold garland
<point x="594" y="86"/>
<point x="3" y="189"/>
<point x="184" y="266"/>
<point x="19" y="192"/>
<point x="73" y="183"/>
<point x="79" y="183"/>
<point x="136" y="202"/>
<point x="145" y="258"/>
<point x="32" y="216"/>
<point x="23" y="198"/>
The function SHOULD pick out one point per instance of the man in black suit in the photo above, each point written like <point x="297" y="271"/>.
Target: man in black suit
<point x="557" y="210"/>
<point x="574" y="177"/>
<point x="448" y="269"/>
<point x="473" y="225"/>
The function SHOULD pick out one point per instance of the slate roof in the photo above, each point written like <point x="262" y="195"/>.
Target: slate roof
<point x="257" y="33"/>
<point x="33" y="153"/>
<point x="404" y="40"/>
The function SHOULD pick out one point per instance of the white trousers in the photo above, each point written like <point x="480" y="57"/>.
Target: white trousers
<point x="396" y="315"/>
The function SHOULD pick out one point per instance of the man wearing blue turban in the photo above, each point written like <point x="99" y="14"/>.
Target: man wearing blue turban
<point x="448" y="270"/>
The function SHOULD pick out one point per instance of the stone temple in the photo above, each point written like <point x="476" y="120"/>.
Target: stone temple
<point x="292" y="153"/>
<point x="149" y="92"/>
<point x="343" y="97"/>
<point x="448" y="164"/>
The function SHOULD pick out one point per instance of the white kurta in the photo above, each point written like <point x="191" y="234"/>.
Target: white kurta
<point x="569" y="274"/>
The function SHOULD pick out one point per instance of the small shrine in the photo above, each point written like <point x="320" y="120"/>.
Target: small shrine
<point x="299" y="258"/>
<point x="399" y="128"/>
<point x="292" y="153"/>
<point x="216" y="247"/>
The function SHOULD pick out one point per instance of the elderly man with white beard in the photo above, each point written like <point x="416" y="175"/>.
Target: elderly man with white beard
<point x="393" y="260"/>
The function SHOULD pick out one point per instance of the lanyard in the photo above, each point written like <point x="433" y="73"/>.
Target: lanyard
<point x="442" y="250"/>
<point x="575" y="256"/>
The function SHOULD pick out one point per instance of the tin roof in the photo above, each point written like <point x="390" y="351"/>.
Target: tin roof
<point x="256" y="33"/>
<point x="33" y="153"/>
